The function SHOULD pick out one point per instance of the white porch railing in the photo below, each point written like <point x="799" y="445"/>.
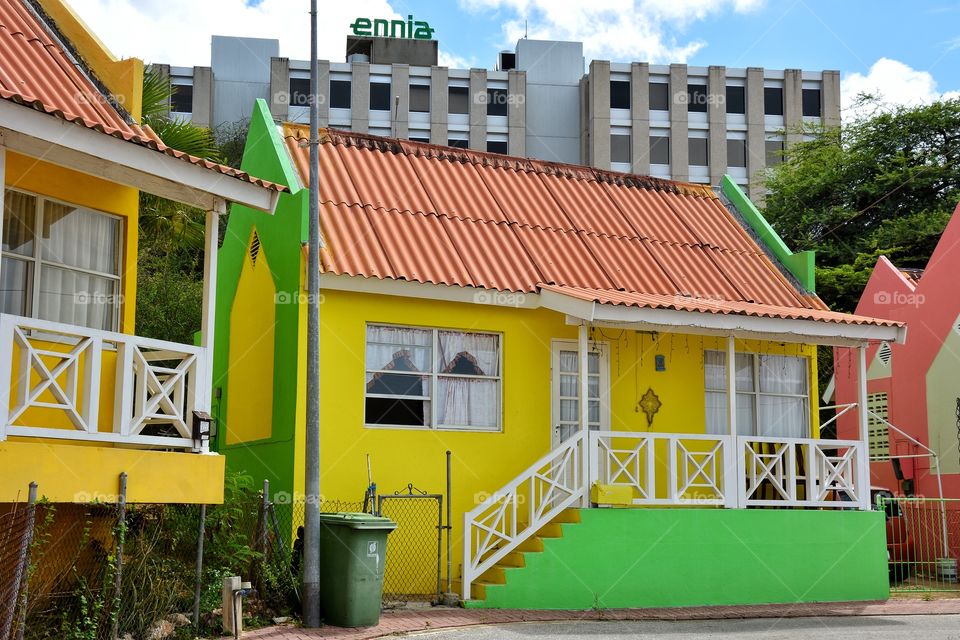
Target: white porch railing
<point x="51" y="376"/>
<point x="499" y="524"/>
<point x="692" y="467"/>
<point x="664" y="469"/>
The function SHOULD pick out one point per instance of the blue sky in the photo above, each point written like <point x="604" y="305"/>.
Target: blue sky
<point x="849" y="35"/>
<point x="903" y="51"/>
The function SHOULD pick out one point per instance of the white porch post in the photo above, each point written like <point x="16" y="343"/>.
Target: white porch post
<point x="863" y="457"/>
<point x="732" y="484"/>
<point x="211" y="240"/>
<point x="583" y="346"/>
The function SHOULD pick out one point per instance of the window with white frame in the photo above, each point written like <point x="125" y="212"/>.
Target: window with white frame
<point x="772" y="394"/>
<point x="432" y="378"/>
<point x="61" y="262"/>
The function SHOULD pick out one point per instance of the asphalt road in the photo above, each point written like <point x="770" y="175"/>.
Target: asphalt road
<point x="851" y="628"/>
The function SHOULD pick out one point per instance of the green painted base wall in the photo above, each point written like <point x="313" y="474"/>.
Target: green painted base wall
<point x="623" y="558"/>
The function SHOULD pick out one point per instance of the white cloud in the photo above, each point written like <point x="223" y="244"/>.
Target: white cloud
<point x="612" y="29"/>
<point x="893" y="83"/>
<point x="178" y="31"/>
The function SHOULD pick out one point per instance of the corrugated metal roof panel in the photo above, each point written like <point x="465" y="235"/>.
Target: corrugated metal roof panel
<point x="437" y="221"/>
<point x="563" y="257"/>
<point x="757" y="278"/>
<point x="523" y="198"/>
<point x="691" y="268"/>
<point x="654" y="301"/>
<point x="587" y="206"/>
<point x="493" y="255"/>
<point x="456" y="189"/>
<point x="629" y="264"/>
<point x="351" y="244"/>
<point x="418" y="247"/>
<point x="649" y="214"/>
<point x="385" y="180"/>
<point x="710" y="222"/>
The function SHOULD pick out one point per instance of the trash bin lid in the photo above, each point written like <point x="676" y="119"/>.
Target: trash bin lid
<point x="357" y="520"/>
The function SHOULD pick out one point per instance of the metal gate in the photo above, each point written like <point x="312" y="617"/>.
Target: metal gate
<point x="923" y="543"/>
<point x="412" y="568"/>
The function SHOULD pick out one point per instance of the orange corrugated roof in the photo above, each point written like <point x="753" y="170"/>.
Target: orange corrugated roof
<point x="682" y="303"/>
<point x="402" y="210"/>
<point x="37" y="72"/>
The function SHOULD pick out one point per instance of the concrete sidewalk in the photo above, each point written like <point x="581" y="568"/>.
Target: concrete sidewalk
<point x="405" y="621"/>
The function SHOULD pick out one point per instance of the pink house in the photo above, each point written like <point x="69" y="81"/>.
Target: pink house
<point x="916" y="385"/>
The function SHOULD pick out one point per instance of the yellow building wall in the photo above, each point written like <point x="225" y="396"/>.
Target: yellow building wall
<point x="482" y="461"/>
<point x="65" y="472"/>
<point x="252" y="336"/>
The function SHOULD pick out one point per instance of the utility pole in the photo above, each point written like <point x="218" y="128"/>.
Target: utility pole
<point x="311" y="528"/>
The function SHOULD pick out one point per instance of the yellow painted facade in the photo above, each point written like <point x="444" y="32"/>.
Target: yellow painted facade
<point x="71" y="470"/>
<point x="65" y="472"/>
<point x="483" y="461"/>
<point x="252" y="335"/>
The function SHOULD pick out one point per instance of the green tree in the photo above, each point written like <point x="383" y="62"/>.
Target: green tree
<point x="170" y="269"/>
<point x="883" y="184"/>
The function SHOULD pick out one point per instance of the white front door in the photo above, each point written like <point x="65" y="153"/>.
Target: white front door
<point x="565" y="389"/>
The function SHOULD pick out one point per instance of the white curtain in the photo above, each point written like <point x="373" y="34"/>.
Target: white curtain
<point x="77" y="298"/>
<point x="80" y="238"/>
<point x="783" y="397"/>
<point x="472" y="398"/>
<point x="715" y="382"/>
<point x="399" y="349"/>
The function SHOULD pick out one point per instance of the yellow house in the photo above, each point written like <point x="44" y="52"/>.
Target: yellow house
<point x="623" y="368"/>
<point x="84" y="398"/>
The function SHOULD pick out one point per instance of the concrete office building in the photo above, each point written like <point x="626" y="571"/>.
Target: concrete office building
<point x="671" y="121"/>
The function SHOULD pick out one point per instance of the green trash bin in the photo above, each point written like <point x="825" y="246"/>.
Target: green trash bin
<point x="353" y="548"/>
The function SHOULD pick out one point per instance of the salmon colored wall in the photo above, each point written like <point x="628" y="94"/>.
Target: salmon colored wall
<point x="929" y="309"/>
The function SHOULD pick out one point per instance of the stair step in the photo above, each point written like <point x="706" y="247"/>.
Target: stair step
<point x="494" y="575"/>
<point x="512" y="559"/>
<point x="569" y="516"/>
<point x="551" y="530"/>
<point x="531" y="545"/>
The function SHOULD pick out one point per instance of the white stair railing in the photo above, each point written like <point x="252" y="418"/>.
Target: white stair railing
<point x="504" y="520"/>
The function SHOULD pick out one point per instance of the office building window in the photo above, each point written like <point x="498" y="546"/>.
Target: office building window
<point x="659" y="96"/>
<point x="419" y="98"/>
<point x="380" y="96"/>
<point x="420" y="139"/>
<point x="697" y="98"/>
<point x="497" y="102"/>
<point x="736" y="99"/>
<point x="659" y="150"/>
<point x="340" y="94"/>
<point x="619" y="94"/>
<point x="182" y="99"/>
<point x="497" y="146"/>
<point x="459" y="143"/>
<point x="697" y="148"/>
<point x="773" y="101"/>
<point x="299" y="92"/>
<point x="811" y="103"/>
<point x="620" y="148"/>
<point x="458" y="99"/>
<point x="774" y="149"/>
<point x="736" y="153"/>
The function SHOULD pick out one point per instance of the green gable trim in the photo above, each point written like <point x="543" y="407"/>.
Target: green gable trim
<point x="264" y="155"/>
<point x="800" y="264"/>
<point x="631" y="558"/>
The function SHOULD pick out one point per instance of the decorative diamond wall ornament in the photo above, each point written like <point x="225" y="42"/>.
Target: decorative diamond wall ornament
<point x="650" y="404"/>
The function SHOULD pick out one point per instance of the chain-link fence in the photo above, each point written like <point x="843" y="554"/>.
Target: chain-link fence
<point x="111" y="571"/>
<point x="923" y="543"/>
